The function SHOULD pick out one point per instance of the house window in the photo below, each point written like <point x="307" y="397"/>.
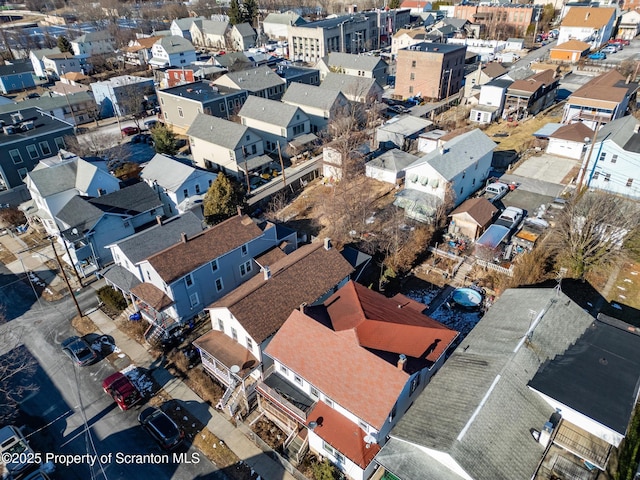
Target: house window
<point x="284" y="370"/>
<point x="180" y="112"/>
<point x="607" y="177"/>
<point x="328" y="448"/>
<point x="412" y="76"/>
<point x="188" y="280"/>
<point x="314" y="392"/>
<point x="392" y="415"/>
<point x="148" y="276"/>
<point x="222" y="107"/>
<point x="15" y="156"/>
<point x="254" y="150"/>
<point x="245" y="268"/>
<point x="59" y="141"/>
<point x="219" y="284"/>
<point x="44" y="146"/>
<point x="328" y="401"/>
<point x="603" y="155"/>
<point x="298" y="380"/>
<point x="185" y="192"/>
<point x="193" y="299"/>
<point x="33" y="151"/>
<point x="162" y="100"/>
<point x="244" y="249"/>
<point x="415" y="383"/>
<point x="249" y="344"/>
<point x="614" y="159"/>
<point x="214" y="265"/>
<point x="234" y="334"/>
<point x="197" y="189"/>
<point x="411" y="89"/>
<point x="461" y="190"/>
<point x="629" y="182"/>
<point x="413" y="63"/>
<point x="220" y="325"/>
<point x="22" y="172"/>
<point x="596" y="175"/>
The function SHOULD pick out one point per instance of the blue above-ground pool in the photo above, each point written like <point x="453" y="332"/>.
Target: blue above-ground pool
<point x="467" y="297"/>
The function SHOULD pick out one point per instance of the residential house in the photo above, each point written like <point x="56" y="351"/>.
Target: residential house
<point x="361" y="340"/>
<point x="29" y="135"/>
<point x="209" y="33"/>
<point x="593" y="25"/>
<point x="139" y="51"/>
<point x="600" y="100"/>
<point x="74" y="108"/>
<point x="123" y="95"/>
<point x="180" y="105"/>
<point x="401" y="131"/>
<point x="55" y="181"/>
<point x="87" y="225"/>
<point x="357" y="65"/>
<point x="491" y="101"/>
<point x="570" y="140"/>
<point x="181" y="280"/>
<point x="629" y="26"/>
<point x="351" y="33"/>
<point x="295" y="74"/>
<point x="276" y="25"/>
<point x="228" y="147"/>
<point x="494" y="15"/>
<point x="181" y="27"/>
<point x="58" y="64"/>
<point x="36" y="55"/>
<point x="232" y="61"/>
<point x="431" y="140"/>
<point x="355" y="89"/>
<point x="16" y="76"/>
<point x="93" y="43"/>
<point x="531" y="95"/>
<point x="172" y="51"/>
<point x="390" y="166"/>
<point x="243" y="36"/>
<point x="613" y="163"/>
<point x="521" y="362"/>
<point x="276" y="122"/>
<point x="483" y="75"/>
<point x="514" y="44"/>
<point x="320" y="104"/>
<point x="405" y="37"/>
<point x="472" y="218"/>
<point x="260" y="81"/>
<point x="232" y="353"/>
<point x="570" y="51"/>
<point x="430" y="70"/>
<point x="176" y="182"/>
<point x="127" y="253"/>
<point x="417" y="6"/>
<point x="447" y="176"/>
<point x="334" y="158"/>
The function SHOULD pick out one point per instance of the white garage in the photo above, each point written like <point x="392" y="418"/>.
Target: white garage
<point x="570" y="140"/>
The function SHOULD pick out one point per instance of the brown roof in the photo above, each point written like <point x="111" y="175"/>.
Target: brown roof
<point x="228" y="351"/>
<point x="589" y="17"/>
<point x="147" y="42"/>
<point x="534" y="82"/>
<point x="602" y="88"/>
<point x="573" y="46"/>
<point x="575" y="132"/>
<point x="479" y="209"/>
<point x="343" y="435"/>
<point x="60" y="56"/>
<point x="353" y="377"/>
<point x="494" y="69"/>
<point x="152" y="296"/>
<point x="303" y="276"/>
<point x="74" y="76"/>
<point x="270" y="257"/>
<point x="184" y="257"/>
<point x="413" y="32"/>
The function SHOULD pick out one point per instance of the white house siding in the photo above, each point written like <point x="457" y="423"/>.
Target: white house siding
<point x="583" y="33"/>
<point x="203" y="150"/>
<point x="230" y="322"/>
<point x="481" y="116"/>
<point x="565" y="148"/>
<point x="624" y="169"/>
<point x="492" y="96"/>
<point x="382" y="175"/>
<point x="352" y="470"/>
<point x="109" y="229"/>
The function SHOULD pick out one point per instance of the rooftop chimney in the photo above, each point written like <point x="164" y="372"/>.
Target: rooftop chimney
<point x="402" y="360"/>
<point x="183" y="237"/>
<point x="586" y="17"/>
<point x="302" y="306"/>
<point x="159" y="219"/>
<point x="327" y="243"/>
<point x="239" y="209"/>
<point x="267" y="272"/>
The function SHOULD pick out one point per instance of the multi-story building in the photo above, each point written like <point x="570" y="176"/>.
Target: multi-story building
<point x="276" y="25"/>
<point x="93" y="43"/>
<point x="16" y="76"/>
<point x="356" y="65"/>
<point x="57" y="64"/>
<point x="593" y="25"/>
<point x="347" y="34"/>
<point x="531" y="95"/>
<point x="172" y="51"/>
<point x="181" y="104"/>
<point x="123" y="95"/>
<point x="430" y="70"/>
<point x="510" y="19"/>
<point x="28" y="136"/>
<point x="75" y="108"/>
<point x="260" y="81"/>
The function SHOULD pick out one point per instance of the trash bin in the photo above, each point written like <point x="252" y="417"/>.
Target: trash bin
<point x="134" y="317"/>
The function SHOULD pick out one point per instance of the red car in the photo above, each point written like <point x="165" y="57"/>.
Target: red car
<point x="626" y="43"/>
<point x="128" y="131"/>
<point x="120" y="388"/>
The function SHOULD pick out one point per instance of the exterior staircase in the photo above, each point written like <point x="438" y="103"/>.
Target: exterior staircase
<point x="227" y="395"/>
<point x="296" y="449"/>
<point x="463" y="271"/>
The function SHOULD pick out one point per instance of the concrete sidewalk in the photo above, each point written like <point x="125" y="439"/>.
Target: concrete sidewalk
<point x="215" y="422"/>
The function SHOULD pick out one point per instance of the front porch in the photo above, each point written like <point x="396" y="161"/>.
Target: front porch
<point x="153" y="305"/>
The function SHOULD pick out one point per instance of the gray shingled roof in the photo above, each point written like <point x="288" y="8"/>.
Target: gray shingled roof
<point x="133" y="200"/>
<point x="349" y="60"/>
<point x="218" y="131"/>
<point x="394" y="160"/>
<point x="155" y="239"/>
<point x="80" y="214"/>
<point x="245" y="30"/>
<point x="621" y="132"/>
<point x="478" y="408"/>
<point x="77" y="173"/>
<point x="270" y="111"/>
<point x="168" y="172"/>
<point x="47" y="102"/>
<point x="185" y="23"/>
<point x="253" y="79"/>
<point x="214" y="27"/>
<point x="16" y="68"/>
<point x="311" y="96"/>
<point x="93" y="37"/>
<point x="175" y="44"/>
<point x="286" y="18"/>
<point x="349" y="84"/>
<point x="459" y="153"/>
<point x="43" y="52"/>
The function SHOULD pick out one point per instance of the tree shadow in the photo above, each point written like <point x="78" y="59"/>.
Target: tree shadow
<point x="16" y="297"/>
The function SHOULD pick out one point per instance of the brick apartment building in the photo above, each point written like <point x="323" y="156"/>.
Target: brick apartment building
<point x="494" y="18"/>
<point x="430" y="70"/>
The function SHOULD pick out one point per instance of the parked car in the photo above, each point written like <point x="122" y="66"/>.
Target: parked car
<point x="609" y="49"/>
<point x="128" y="131"/>
<point x="622" y="41"/>
<point x="20" y="455"/>
<point x="122" y="390"/>
<point x="149" y="124"/>
<point x="598" y="56"/>
<point x="78" y="350"/>
<point x="161" y="428"/>
<point x="510" y="217"/>
<point x="495" y="191"/>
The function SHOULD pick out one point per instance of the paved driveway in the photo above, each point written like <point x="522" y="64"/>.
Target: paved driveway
<point x="550" y="168"/>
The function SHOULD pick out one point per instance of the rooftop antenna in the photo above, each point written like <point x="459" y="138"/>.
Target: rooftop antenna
<point x="532" y="316"/>
<point x="559" y="276"/>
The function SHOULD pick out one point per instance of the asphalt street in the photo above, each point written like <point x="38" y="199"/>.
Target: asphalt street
<point x="69" y="413"/>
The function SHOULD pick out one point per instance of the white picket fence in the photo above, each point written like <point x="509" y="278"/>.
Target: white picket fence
<point x="497" y="268"/>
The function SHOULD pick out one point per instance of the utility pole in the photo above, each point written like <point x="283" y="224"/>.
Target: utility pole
<point x="66" y="279"/>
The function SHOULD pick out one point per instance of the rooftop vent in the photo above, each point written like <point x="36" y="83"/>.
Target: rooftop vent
<point x="27" y="125"/>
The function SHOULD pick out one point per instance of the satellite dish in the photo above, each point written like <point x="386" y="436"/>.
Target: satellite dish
<point x="74" y="231"/>
<point x="234" y="369"/>
<point x="313" y="425"/>
<point x="370" y="439"/>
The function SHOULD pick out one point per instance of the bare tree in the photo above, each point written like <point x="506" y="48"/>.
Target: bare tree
<point x="590" y="232"/>
<point x="101" y="145"/>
